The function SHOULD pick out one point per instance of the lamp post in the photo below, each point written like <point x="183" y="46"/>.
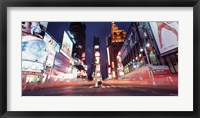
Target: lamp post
<point x="148" y="62"/>
<point x="142" y="26"/>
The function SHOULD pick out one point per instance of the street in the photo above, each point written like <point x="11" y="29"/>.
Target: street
<point x="115" y="88"/>
<point x="67" y="58"/>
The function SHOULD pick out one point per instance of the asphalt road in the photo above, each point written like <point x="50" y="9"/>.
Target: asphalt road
<point x="105" y="90"/>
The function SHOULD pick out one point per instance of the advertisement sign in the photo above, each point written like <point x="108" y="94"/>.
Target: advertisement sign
<point x="36" y="29"/>
<point x="152" y="57"/>
<point x="134" y="64"/>
<point x="166" y="35"/>
<point x="130" y="38"/>
<point x="125" y="49"/>
<point x="32" y="66"/>
<point x="67" y="45"/>
<point x="129" y="44"/>
<point x="51" y="43"/>
<point x="59" y="76"/>
<point x="34" y="49"/>
<point x="123" y="52"/>
<point x="53" y="47"/>
<point x="31" y="73"/>
<point x="61" y="63"/>
<point x="126" y="70"/>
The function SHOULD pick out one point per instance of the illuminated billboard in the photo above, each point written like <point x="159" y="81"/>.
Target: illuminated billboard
<point x="53" y="47"/>
<point x="166" y="35"/>
<point x="31" y="66"/>
<point x="129" y="43"/>
<point x="36" y="29"/>
<point x="34" y="49"/>
<point x="51" y="43"/>
<point x="67" y="45"/>
<point x="61" y="63"/>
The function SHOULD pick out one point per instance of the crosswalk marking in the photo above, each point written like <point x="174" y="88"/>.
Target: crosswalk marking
<point x="111" y="86"/>
<point x="107" y="86"/>
<point x="103" y="86"/>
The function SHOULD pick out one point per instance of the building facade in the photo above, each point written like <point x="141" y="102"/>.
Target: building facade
<point x="77" y="29"/>
<point x="114" y="44"/>
<point x="141" y="47"/>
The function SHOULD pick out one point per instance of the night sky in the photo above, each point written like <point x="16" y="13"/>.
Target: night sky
<point x="98" y="29"/>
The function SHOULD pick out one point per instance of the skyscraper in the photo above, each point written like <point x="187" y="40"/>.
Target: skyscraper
<point x="115" y="42"/>
<point x="78" y="31"/>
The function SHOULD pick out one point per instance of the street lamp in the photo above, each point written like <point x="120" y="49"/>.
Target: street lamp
<point x="142" y="26"/>
<point x="150" y="72"/>
<point x="148" y="45"/>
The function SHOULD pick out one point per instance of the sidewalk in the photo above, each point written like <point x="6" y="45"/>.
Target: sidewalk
<point x="168" y="79"/>
<point x="142" y="76"/>
<point x="165" y="81"/>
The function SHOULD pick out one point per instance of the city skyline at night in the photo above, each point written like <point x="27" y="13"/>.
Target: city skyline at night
<point x="98" y="29"/>
<point x="105" y="54"/>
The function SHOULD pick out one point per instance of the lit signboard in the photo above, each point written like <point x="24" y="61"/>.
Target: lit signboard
<point x="67" y="45"/>
<point x="97" y="54"/>
<point x="61" y="63"/>
<point x="128" y="44"/>
<point x="32" y="66"/>
<point x="36" y="29"/>
<point x="51" y="43"/>
<point x="53" y="47"/>
<point x="166" y="35"/>
<point x="34" y="49"/>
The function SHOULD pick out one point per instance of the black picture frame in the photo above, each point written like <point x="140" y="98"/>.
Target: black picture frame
<point x="99" y="3"/>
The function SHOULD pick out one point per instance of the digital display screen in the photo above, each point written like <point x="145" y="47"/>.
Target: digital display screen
<point x="67" y="45"/>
